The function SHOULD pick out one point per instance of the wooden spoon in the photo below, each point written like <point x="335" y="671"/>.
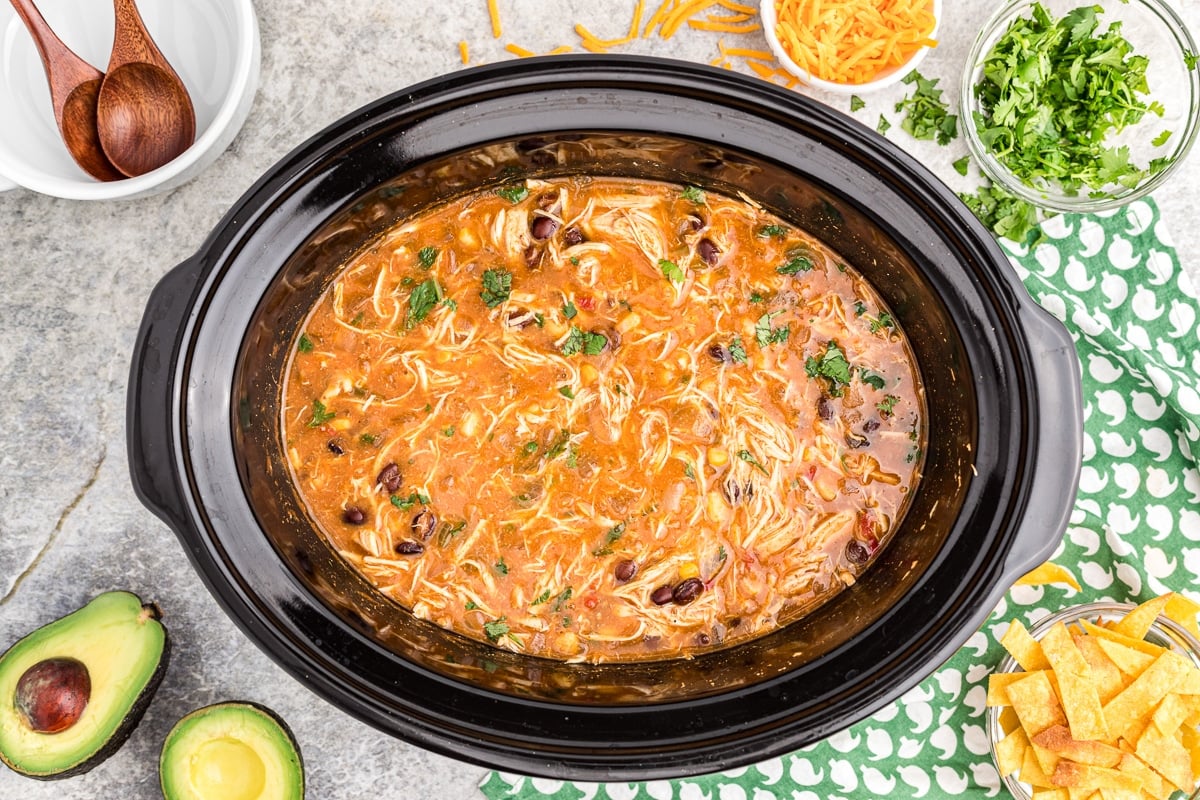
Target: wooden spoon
<point x="74" y="87"/>
<point x="145" y="117"/>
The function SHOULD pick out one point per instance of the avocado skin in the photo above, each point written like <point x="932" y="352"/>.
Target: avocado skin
<point x="234" y="705"/>
<point x="127" y="726"/>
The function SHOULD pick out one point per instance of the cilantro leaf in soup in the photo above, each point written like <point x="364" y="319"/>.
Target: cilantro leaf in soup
<point x="495" y="629"/>
<point x="513" y="194"/>
<point x="304" y="344"/>
<point x="497" y="286"/>
<point x="427" y="256"/>
<point x="671" y="270"/>
<point x="320" y="414"/>
<point x="766" y="335"/>
<point x="693" y="194"/>
<point x="872" y="379"/>
<point x="569" y="310"/>
<point x="586" y="342"/>
<point x="737" y="350"/>
<point x="421" y="301"/>
<point x="831" y="366"/>
<point x="771" y="231"/>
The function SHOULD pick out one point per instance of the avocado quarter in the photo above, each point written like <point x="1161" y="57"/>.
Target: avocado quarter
<point x="72" y="691"/>
<point x="231" y="751"/>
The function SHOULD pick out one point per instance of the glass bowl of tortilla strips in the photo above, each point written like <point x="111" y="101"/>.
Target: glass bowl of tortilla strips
<point x="1100" y="701"/>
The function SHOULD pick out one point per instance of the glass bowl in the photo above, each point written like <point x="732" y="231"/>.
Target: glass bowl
<point x="1154" y="30"/>
<point x="1163" y="632"/>
<point x="885" y="78"/>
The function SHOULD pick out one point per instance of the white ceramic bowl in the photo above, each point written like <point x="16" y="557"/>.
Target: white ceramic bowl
<point x="212" y="44"/>
<point x="767" y="10"/>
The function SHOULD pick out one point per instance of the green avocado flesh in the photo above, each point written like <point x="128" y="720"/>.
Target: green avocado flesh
<point x="231" y="751"/>
<point x="123" y="648"/>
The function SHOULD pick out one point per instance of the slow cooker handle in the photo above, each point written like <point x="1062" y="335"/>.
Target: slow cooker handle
<point x="149" y="408"/>
<point x="1059" y="409"/>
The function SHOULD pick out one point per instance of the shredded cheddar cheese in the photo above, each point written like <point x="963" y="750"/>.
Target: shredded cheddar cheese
<point x="495" y="15"/>
<point x="853" y="41"/>
<point x="463" y="53"/>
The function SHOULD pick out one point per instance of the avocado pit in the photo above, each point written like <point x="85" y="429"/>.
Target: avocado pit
<point x="52" y="694"/>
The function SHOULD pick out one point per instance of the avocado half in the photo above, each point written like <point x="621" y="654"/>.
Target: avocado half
<point x="73" y="691"/>
<point x="231" y="751"/>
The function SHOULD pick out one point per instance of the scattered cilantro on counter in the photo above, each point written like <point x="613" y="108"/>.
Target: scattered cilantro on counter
<point x="856" y="103"/>
<point x="926" y="114"/>
<point x="883" y="126"/>
<point x="1004" y="214"/>
<point x="962" y="165"/>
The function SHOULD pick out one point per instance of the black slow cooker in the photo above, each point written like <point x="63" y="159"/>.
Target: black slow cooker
<point x="1001" y="381"/>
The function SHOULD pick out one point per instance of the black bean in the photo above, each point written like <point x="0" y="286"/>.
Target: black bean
<point x="410" y="548"/>
<point x="572" y="236"/>
<point x="703" y="639"/>
<point x="720" y="353"/>
<point x="389" y="478"/>
<point x="708" y="251"/>
<point x="856" y="440"/>
<point x="547" y="201"/>
<point x="533" y="256"/>
<point x="857" y="552"/>
<point x="691" y="223"/>
<point x="354" y="515"/>
<point x="687" y="591"/>
<point x="732" y="491"/>
<point x="543" y="227"/>
<point x="423" y="524"/>
<point x="662" y="595"/>
<point x="625" y="571"/>
<point x="733" y="623"/>
<point x="870" y="426"/>
<point x="824" y="408"/>
<point x="335" y="447"/>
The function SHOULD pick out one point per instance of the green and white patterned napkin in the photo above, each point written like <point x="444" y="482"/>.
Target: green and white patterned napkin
<point x="1116" y="283"/>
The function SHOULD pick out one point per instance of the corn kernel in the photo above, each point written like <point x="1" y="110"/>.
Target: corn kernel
<point x="467" y="238"/>
<point x="690" y="569"/>
<point x="666" y="377"/>
<point x="717" y="508"/>
<point x="708" y="386"/>
<point x="629" y="322"/>
<point x="442" y="356"/>
<point x="339" y="423"/>
<point x="567" y="643"/>
<point x="718" y="456"/>
<point x="588" y="373"/>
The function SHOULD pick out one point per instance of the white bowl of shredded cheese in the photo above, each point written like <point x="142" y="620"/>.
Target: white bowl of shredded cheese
<point x="826" y="52"/>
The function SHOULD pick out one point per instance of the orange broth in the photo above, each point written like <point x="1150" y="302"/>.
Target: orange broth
<point x="602" y="419"/>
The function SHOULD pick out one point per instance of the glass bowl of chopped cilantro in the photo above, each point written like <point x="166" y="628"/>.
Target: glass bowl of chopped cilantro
<point x="1081" y="105"/>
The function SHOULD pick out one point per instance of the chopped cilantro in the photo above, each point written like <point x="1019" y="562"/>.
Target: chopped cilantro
<point x="721" y="554"/>
<point x="574" y="260"/>
<point x="860" y="308"/>
<point x="856" y="103"/>
<point x="500" y="566"/>
<point x="421" y="301"/>
<point x="887" y="405"/>
<point x="765" y="335"/>
<point x="497" y="286"/>
<point x="1161" y="139"/>
<point x="872" y="379"/>
<point x="1189" y="59"/>
<point x="688" y="470"/>
<point x="471" y="605"/>
<point x="737" y="350"/>
<point x="671" y="270"/>
<point x="1051" y="92"/>
<point x="427" y="255"/>
<point x="369" y="438"/>
<point x="748" y="457"/>
<point x="513" y="194"/>
<point x="755" y="297"/>
<point x="796" y="264"/>
<point x="566" y="392"/>
<point x="539" y="319"/>
<point x="563" y="597"/>
<point x="448" y="432"/>
<point x="771" y="231"/>
<point x="304" y="344"/>
<point x="1006" y="215"/>
<point x="884" y="320"/>
<point x="693" y="195"/>
<point x="530" y="448"/>
<point x="541" y="598"/>
<point x="619" y="389"/>
<point x="831" y="366"/>
<point x="358" y="318"/>
<point x="496" y="629"/>
<point x="569" y="310"/>
<point x="883" y="125"/>
<point x="614" y="534"/>
<point x="926" y="115"/>
<point x="405" y="503"/>
<point x="448" y="532"/>
<point x="586" y="342"/>
<point x="962" y="165"/>
<point x="320" y="415"/>
<point x="450" y="303"/>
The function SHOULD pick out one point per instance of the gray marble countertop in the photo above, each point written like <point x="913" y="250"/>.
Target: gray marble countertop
<point x="74" y="278"/>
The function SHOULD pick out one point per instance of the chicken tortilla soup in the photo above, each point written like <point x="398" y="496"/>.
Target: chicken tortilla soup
<point x="599" y="419"/>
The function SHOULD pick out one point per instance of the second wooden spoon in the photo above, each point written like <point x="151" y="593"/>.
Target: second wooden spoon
<point x="74" y="87"/>
<point x="144" y="116"/>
